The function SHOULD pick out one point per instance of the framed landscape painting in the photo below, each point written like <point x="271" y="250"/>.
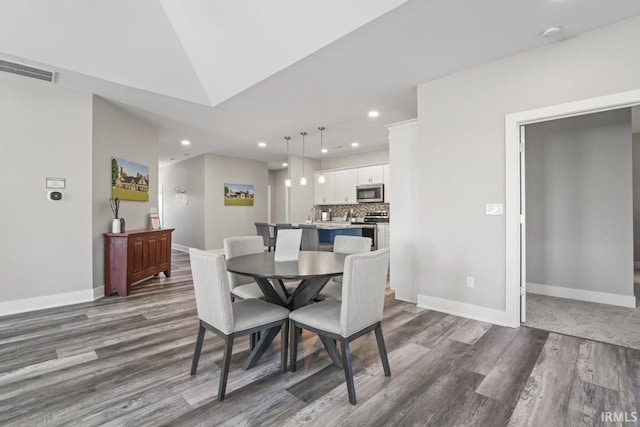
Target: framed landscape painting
<point x="238" y="195"/>
<point x="129" y="180"/>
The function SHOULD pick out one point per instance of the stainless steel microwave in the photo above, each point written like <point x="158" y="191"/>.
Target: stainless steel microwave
<point x="370" y="193"/>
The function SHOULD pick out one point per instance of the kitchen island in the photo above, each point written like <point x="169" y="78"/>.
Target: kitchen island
<point x="327" y="231"/>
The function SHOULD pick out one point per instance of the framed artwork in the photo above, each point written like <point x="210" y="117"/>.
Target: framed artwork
<point x="238" y="195"/>
<point x="129" y="180"/>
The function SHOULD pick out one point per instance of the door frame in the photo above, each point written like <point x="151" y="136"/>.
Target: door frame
<point x="513" y="183"/>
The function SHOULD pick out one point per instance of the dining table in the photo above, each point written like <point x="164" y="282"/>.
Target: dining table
<point x="311" y="271"/>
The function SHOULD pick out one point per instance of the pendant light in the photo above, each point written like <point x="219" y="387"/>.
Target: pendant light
<point x="287" y="182"/>
<point x="321" y="178"/>
<point x="303" y="179"/>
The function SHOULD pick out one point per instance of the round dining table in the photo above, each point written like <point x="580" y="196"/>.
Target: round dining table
<point x="312" y="270"/>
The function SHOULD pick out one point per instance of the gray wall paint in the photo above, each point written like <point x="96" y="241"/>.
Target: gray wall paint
<point x="636" y="197"/>
<point x="278" y="190"/>
<point x="459" y="164"/>
<point x="579" y="203"/>
<point x="46" y="132"/>
<point x="119" y="134"/>
<point x="205" y="221"/>
<point x="301" y="197"/>
<point x="187" y="219"/>
<point x="355" y="160"/>
<point x="228" y="221"/>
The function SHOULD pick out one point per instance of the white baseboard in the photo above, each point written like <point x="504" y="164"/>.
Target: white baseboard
<point x="582" y="295"/>
<point x="412" y="301"/>
<point x="476" y="312"/>
<point x="178" y="247"/>
<point x="49" y="301"/>
<point x="98" y="293"/>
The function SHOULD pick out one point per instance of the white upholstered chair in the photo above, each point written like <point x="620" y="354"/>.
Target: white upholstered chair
<point x="243" y="287"/>
<point x="344" y="245"/>
<point x="229" y="319"/>
<point x="360" y="312"/>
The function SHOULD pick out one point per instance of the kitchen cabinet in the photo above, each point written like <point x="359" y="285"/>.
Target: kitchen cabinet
<point x="371" y="175"/>
<point x="386" y="181"/>
<point x="382" y="236"/>
<point x="339" y="187"/>
<point x="325" y="194"/>
<point x="345" y="185"/>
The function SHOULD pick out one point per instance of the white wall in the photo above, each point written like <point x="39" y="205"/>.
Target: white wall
<point x="46" y="246"/>
<point x="228" y="221"/>
<point x="278" y="190"/>
<point x="117" y="133"/>
<point x="187" y="219"/>
<point x="301" y="197"/>
<point x="636" y="198"/>
<point x="404" y="223"/>
<point x="579" y="203"/>
<point x="459" y="163"/>
<point x="356" y="159"/>
<point x="206" y="221"/>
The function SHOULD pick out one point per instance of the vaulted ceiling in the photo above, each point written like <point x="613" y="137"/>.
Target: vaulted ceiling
<point x="228" y="74"/>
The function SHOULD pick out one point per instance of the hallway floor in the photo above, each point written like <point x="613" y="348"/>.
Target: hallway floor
<point x="598" y="322"/>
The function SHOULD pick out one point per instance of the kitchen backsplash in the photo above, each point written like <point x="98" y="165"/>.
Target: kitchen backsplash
<point x="359" y="210"/>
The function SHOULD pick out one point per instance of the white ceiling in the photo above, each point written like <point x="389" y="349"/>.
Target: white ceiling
<point x="226" y="75"/>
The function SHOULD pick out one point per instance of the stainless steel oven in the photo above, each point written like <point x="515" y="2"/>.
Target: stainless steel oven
<point x="370" y="232"/>
<point x="371" y="220"/>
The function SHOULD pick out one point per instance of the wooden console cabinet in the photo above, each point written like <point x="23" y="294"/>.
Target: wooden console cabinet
<point x="133" y="256"/>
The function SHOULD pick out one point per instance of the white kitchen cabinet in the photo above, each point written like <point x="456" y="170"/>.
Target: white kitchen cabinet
<point x="325" y="194"/>
<point x="386" y="181"/>
<point x="345" y="186"/>
<point x="371" y="175"/>
<point x="382" y="235"/>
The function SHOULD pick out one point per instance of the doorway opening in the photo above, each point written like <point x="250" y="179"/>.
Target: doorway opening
<point x="515" y="213"/>
<point x="578" y="235"/>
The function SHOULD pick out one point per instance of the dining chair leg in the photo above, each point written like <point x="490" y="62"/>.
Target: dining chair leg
<point x="284" y="341"/>
<point x="383" y="350"/>
<point x="293" y="345"/>
<point x="348" y="371"/>
<point x="196" y="353"/>
<point x="226" y="361"/>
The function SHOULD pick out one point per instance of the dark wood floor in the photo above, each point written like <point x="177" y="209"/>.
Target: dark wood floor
<point x="125" y="361"/>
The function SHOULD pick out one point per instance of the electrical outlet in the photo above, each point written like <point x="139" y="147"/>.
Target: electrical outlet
<point x="471" y="282"/>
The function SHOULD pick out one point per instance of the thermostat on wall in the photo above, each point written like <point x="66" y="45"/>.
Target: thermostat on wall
<point x="55" y="195"/>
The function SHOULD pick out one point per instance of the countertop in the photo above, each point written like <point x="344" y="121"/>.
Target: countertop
<point x="337" y="225"/>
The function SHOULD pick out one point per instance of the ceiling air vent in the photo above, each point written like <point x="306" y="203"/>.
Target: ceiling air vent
<point x="25" y="70"/>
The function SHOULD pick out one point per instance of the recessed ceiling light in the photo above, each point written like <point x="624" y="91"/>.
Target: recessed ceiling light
<point x="373" y="114"/>
<point x="553" y="32"/>
<point x="324" y="150"/>
<point x="355" y="144"/>
<point x="186" y="142"/>
<point x="285" y="164"/>
<point x="262" y="144"/>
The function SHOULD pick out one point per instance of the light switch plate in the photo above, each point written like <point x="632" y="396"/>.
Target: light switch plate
<point x="494" y="209"/>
